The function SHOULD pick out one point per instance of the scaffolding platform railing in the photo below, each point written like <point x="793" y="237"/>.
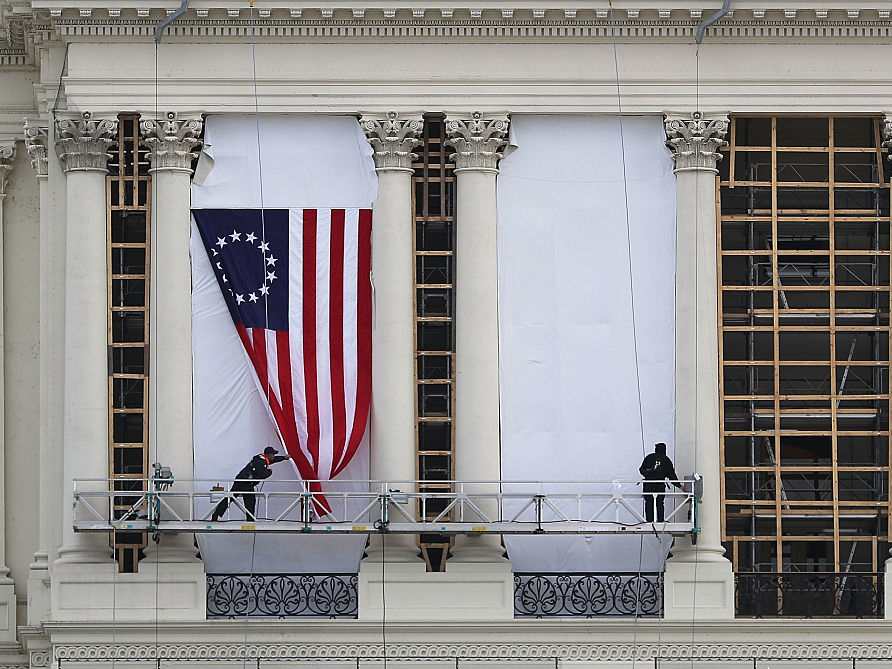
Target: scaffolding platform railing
<point x="368" y="507"/>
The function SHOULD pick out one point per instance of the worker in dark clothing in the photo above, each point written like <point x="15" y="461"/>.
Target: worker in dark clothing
<point x="248" y="478"/>
<point x="656" y="468"/>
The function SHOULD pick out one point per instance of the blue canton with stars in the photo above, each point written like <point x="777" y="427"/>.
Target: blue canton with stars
<point x="249" y="255"/>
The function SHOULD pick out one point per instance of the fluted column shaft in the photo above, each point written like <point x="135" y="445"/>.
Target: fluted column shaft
<point x="695" y="144"/>
<point x="82" y="145"/>
<point x="392" y="456"/>
<point x="7" y="157"/>
<point x="477" y="440"/>
<point x="171" y="142"/>
<point x="51" y="348"/>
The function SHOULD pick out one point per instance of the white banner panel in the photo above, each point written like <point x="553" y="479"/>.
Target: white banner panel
<point x="307" y="161"/>
<point x="570" y="382"/>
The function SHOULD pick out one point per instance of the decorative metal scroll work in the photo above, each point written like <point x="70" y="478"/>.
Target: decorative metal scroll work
<point x="804" y="595"/>
<point x="281" y="595"/>
<point x="589" y="595"/>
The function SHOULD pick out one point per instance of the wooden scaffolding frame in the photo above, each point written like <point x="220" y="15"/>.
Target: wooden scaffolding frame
<point x="793" y="279"/>
<point x="128" y="226"/>
<point x="433" y="206"/>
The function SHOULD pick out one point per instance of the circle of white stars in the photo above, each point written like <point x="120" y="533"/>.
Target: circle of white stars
<point x="269" y="265"/>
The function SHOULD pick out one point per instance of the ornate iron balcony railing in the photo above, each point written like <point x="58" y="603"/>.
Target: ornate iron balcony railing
<point x="589" y="595"/>
<point x="281" y="595"/>
<point x="809" y="595"/>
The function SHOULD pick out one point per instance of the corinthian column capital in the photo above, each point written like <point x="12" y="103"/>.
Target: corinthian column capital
<point x="82" y="143"/>
<point x="7" y="156"/>
<point x="393" y="139"/>
<point x="36" y="139"/>
<point x="476" y="141"/>
<point x="171" y="141"/>
<point x="695" y="141"/>
<point x="887" y="132"/>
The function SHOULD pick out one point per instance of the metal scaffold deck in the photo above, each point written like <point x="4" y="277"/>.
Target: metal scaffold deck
<point x="367" y="507"/>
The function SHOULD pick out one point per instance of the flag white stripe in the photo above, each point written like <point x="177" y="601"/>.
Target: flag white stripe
<point x="351" y="263"/>
<point x="323" y="357"/>
<point x="295" y="325"/>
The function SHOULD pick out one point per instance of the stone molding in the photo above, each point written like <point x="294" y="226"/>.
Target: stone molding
<point x="7" y="156"/>
<point x="36" y="139"/>
<point x="476" y="140"/>
<point x="393" y="139"/>
<point x="171" y="141"/>
<point x="695" y="141"/>
<point x="572" y="651"/>
<point x="82" y="143"/>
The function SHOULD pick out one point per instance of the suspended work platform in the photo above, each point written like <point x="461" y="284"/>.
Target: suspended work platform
<point x="370" y="507"/>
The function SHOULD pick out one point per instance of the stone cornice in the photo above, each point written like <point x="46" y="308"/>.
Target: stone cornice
<point x="476" y="140"/>
<point x="74" y="19"/>
<point x="171" y="141"/>
<point x="393" y="139"/>
<point x="82" y="143"/>
<point x="695" y="141"/>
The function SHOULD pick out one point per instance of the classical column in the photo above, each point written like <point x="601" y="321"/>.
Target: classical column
<point x="82" y="144"/>
<point x="694" y="143"/>
<point x="393" y="336"/>
<point x="477" y="453"/>
<point x="7" y="589"/>
<point x="171" y="142"/>
<point x="51" y="350"/>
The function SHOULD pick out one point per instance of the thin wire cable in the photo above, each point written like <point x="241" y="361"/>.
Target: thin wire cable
<point x="619" y="105"/>
<point x="383" y="600"/>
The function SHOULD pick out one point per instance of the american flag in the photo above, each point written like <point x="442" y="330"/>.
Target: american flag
<point x="297" y="284"/>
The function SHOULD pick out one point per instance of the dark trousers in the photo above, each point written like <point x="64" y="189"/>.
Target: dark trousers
<point x="653" y="495"/>
<point x="249" y="497"/>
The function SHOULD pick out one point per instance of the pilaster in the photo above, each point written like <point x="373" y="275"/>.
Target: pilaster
<point x="7" y="588"/>
<point x="699" y="582"/>
<point x="171" y="142"/>
<point x="82" y="144"/>
<point x="477" y="141"/>
<point x="36" y="142"/>
<point x="393" y="137"/>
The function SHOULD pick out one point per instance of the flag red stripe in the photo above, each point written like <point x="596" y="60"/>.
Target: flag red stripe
<point x="289" y="429"/>
<point x="259" y="338"/>
<point x="309" y="333"/>
<point x="303" y="466"/>
<point x="363" y="338"/>
<point x="336" y="336"/>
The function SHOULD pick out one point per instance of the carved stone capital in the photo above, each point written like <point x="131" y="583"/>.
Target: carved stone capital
<point x="393" y="139"/>
<point x="36" y="138"/>
<point x="887" y="142"/>
<point x="476" y="141"/>
<point x="7" y="156"/>
<point x="82" y="143"/>
<point x="695" y="141"/>
<point x="171" y="141"/>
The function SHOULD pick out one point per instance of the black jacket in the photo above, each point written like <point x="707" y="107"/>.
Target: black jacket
<point x="658" y="467"/>
<point x="258" y="469"/>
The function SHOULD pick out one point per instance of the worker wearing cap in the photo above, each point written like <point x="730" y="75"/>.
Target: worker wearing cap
<point x="248" y="478"/>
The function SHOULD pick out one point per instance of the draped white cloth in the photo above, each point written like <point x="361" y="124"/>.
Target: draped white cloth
<point x="572" y="380"/>
<point x="307" y="162"/>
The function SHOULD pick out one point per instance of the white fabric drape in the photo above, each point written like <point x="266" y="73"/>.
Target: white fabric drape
<point x="307" y="162"/>
<point x="569" y="377"/>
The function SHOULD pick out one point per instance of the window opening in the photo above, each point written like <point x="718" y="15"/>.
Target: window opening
<point x="804" y="301"/>
<point x="128" y="228"/>
<point x="434" y="242"/>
